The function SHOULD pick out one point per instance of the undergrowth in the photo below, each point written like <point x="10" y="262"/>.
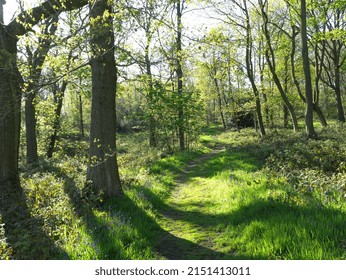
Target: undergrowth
<point x="278" y="197"/>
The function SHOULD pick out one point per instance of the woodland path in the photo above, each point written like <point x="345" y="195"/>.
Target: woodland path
<point x="187" y="220"/>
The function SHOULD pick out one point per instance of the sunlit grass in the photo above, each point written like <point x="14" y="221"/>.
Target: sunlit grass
<point x="221" y="201"/>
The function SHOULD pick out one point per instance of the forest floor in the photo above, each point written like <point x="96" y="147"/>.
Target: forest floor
<point x="186" y="199"/>
<point x="226" y="204"/>
<point x="233" y="196"/>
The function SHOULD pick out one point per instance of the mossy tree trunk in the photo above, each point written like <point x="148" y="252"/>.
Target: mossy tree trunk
<point x="103" y="168"/>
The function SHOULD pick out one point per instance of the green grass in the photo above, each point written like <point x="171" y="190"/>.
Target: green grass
<point x="236" y="196"/>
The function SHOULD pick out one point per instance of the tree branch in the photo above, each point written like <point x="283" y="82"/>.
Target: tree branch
<point x="27" y="19"/>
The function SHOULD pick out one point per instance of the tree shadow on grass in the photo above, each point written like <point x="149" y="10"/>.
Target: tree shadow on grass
<point x="160" y="242"/>
<point x="288" y="231"/>
<point x="24" y="233"/>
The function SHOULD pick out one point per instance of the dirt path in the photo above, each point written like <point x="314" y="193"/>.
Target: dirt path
<point x="188" y="237"/>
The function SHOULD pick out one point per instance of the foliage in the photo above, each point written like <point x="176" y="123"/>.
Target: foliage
<point x="235" y="197"/>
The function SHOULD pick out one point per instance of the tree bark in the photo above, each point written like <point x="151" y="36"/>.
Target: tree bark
<point x="81" y="118"/>
<point x="220" y="102"/>
<point x="103" y="168"/>
<point x="309" y="122"/>
<point x="152" y="123"/>
<point x="179" y="72"/>
<point x="30" y="127"/>
<point x="59" y="94"/>
<point x="10" y="99"/>
<point x="340" y="107"/>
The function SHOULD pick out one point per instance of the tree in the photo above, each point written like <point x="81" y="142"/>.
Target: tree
<point x="149" y="17"/>
<point x="36" y="59"/>
<point x="238" y="16"/>
<point x="270" y="57"/>
<point x="102" y="167"/>
<point x="58" y="91"/>
<point x="10" y="94"/>
<point x="335" y="52"/>
<point x="307" y="74"/>
<point x="250" y="68"/>
<point x="179" y="71"/>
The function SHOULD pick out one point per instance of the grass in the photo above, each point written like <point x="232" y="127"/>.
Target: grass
<point x="236" y="196"/>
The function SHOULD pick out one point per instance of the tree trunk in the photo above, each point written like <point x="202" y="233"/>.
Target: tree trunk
<point x="179" y="71"/>
<point x="152" y="133"/>
<point x="316" y="106"/>
<point x="270" y="57"/>
<point x="30" y="125"/>
<point x="59" y="94"/>
<point x="220" y="103"/>
<point x="36" y="61"/>
<point x="103" y="168"/>
<point x="81" y="119"/>
<point x="339" y="106"/>
<point x="250" y="72"/>
<point x="10" y="100"/>
<point x="309" y="122"/>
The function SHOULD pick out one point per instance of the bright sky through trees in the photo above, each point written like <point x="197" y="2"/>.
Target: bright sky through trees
<point x="193" y="19"/>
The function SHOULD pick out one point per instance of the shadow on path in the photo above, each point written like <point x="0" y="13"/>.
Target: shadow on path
<point x="162" y="243"/>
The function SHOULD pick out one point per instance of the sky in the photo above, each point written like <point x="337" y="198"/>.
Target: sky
<point x="194" y="19"/>
<point x="11" y="7"/>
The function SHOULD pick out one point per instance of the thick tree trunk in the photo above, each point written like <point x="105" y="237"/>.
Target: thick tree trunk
<point x="103" y="168"/>
<point x="10" y="99"/>
<point x="309" y="122"/>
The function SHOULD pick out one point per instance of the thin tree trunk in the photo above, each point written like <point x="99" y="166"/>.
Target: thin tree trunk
<point x="179" y="71"/>
<point x="309" y="122"/>
<point x="58" y="98"/>
<point x="152" y="134"/>
<point x="261" y="63"/>
<point x="250" y="71"/>
<point x="220" y="103"/>
<point x="339" y="105"/>
<point x="316" y="106"/>
<point x="270" y="57"/>
<point x="30" y="125"/>
<point x="36" y="61"/>
<point x="81" y="118"/>
<point x="103" y="167"/>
